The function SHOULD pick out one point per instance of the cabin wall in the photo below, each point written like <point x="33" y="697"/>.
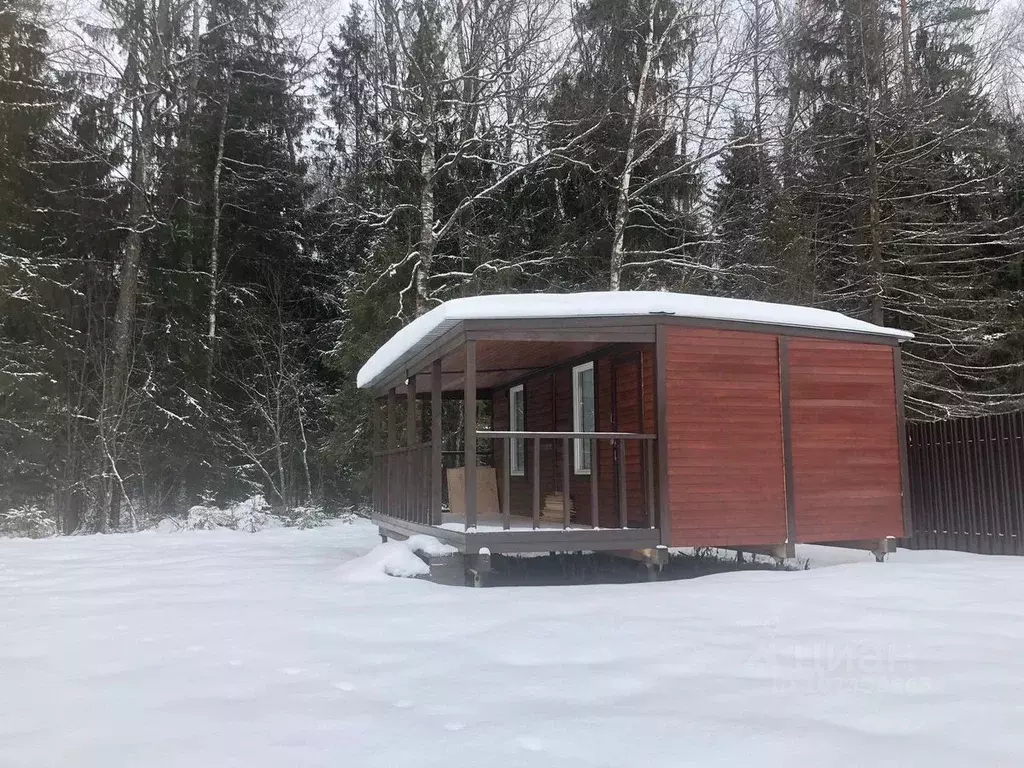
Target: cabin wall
<point x="726" y="478"/>
<point x="845" y="441"/>
<point x="725" y="444"/>
<point x="624" y="393"/>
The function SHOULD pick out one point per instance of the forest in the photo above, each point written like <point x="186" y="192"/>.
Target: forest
<point x="212" y="211"/>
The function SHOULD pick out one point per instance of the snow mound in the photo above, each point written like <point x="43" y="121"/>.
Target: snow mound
<point x="428" y="545"/>
<point x="391" y="559"/>
<point x="395" y="558"/>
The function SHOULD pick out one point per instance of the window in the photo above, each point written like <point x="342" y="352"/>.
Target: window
<point x="582" y="415"/>
<point x="517" y="423"/>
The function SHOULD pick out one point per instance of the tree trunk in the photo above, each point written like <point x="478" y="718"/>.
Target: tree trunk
<point x="874" y="226"/>
<point x="305" y="456"/>
<point x="211" y="325"/>
<point x="428" y="240"/>
<point x="905" y="45"/>
<point x="625" y="178"/>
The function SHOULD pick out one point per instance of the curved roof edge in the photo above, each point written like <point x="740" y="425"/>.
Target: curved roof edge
<point x="425" y="329"/>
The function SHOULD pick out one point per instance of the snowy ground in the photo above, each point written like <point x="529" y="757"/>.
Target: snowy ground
<point x="222" y="649"/>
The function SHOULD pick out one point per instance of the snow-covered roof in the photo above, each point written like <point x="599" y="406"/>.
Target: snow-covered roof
<point x="426" y="328"/>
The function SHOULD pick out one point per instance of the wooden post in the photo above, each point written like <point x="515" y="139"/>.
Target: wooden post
<point x="436" y="468"/>
<point x="621" y="469"/>
<point x="410" y="411"/>
<point x="536" y="482"/>
<point x="390" y="497"/>
<point x="411" y="480"/>
<point x="661" y="411"/>
<point x="565" y="482"/>
<point x="506" y="496"/>
<point x="469" y="449"/>
<point x="391" y="416"/>
<point x="649" y="481"/>
<point x="785" y="396"/>
<point x="901" y="436"/>
<point x="595" y="518"/>
<point x="374" y="450"/>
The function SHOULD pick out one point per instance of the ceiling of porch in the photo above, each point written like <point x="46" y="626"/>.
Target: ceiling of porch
<point x="501" y="362"/>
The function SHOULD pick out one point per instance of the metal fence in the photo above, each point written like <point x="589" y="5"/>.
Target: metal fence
<point x="967" y="484"/>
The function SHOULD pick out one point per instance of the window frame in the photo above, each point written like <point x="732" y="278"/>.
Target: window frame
<point x="577" y="414"/>
<point x="516" y="445"/>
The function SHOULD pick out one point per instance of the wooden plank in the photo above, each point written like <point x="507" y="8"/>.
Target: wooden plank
<point x="436" y="446"/>
<point x="411" y="477"/>
<point x="506" y="494"/>
<point x="901" y="426"/>
<point x="594" y="491"/>
<point x="601" y="335"/>
<point x="661" y="410"/>
<point x="620" y="468"/>
<point x="562" y="540"/>
<point x="536" y="482"/>
<point x="746" y="462"/>
<point x="787" y="440"/>
<point x="573" y="435"/>
<point x="649" y="485"/>
<point x="566" y="484"/>
<point x="392" y="416"/>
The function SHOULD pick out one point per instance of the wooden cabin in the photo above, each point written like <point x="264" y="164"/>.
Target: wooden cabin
<point x="638" y="422"/>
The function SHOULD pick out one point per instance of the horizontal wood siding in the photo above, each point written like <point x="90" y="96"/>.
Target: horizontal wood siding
<point x="846" y="461"/>
<point x="725" y="453"/>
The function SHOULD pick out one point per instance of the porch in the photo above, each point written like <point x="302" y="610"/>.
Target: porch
<point x="557" y="422"/>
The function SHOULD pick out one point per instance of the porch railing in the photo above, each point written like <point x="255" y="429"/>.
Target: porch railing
<point x="402" y="478"/>
<point x="401" y="484"/>
<point x="618" y="440"/>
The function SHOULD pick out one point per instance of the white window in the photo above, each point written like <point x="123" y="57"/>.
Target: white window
<point x="583" y="415"/>
<point x="517" y="423"/>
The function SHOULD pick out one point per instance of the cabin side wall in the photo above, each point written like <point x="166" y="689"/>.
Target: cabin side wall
<point x="624" y="393"/>
<point x="845" y="441"/>
<point x="724" y="433"/>
<point x="726" y="478"/>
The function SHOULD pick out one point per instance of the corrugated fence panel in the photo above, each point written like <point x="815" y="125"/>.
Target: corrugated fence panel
<point x="967" y="484"/>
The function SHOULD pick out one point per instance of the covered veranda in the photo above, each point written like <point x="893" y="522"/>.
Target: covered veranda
<point x="439" y="382"/>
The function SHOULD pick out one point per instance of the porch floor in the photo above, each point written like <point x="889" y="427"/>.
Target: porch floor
<point x="454" y="522"/>
<point x="522" y="537"/>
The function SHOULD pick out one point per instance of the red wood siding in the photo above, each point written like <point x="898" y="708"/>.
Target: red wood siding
<point x="846" y="461"/>
<point x="724" y="430"/>
<point x="548" y="399"/>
